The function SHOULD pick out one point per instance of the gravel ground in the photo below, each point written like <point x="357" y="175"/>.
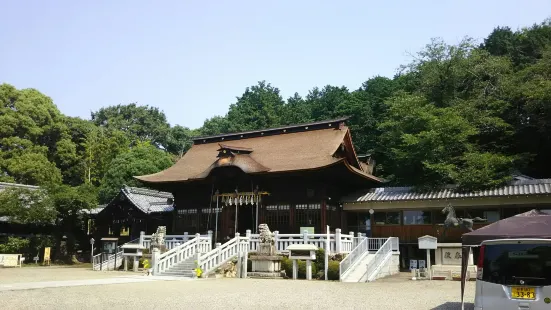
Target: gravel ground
<point x="391" y="293"/>
<point x="40" y="274"/>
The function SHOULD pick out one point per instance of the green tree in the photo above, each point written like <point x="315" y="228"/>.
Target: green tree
<point x="27" y="206"/>
<point x="261" y="106"/>
<point x="140" y="123"/>
<point x="430" y="146"/>
<point x="214" y="126"/>
<point x="179" y="140"/>
<point x="140" y="160"/>
<point x="32" y="131"/>
<point x="100" y="147"/>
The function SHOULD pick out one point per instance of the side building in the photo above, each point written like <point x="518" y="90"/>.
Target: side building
<point x="133" y="210"/>
<point x="408" y="214"/>
<point x="291" y="178"/>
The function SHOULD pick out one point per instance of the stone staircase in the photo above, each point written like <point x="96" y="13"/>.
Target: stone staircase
<point x="183" y="269"/>
<point x="358" y="272"/>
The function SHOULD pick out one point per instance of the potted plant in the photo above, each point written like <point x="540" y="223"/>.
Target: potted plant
<point x="198" y="270"/>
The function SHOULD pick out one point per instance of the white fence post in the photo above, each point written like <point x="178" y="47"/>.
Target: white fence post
<point x="305" y="237"/>
<point x="186" y="237"/>
<point x="218" y="259"/>
<point x="276" y="241"/>
<point x="338" y="244"/>
<point x="197" y="243"/>
<point x="210" y="239"/>
<point x="142" y="236"/>
<point x="155" y="260"/>
<point x="245" y="259"/>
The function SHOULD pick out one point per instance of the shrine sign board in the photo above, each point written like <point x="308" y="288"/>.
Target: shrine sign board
<point x="10" y="260"/>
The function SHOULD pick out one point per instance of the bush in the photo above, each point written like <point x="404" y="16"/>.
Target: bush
<point x="320" y="259"/>
<point x="333" y="270"/>
<point x="287" y="266"/>
<point x="302" y="269"/>
<point x="15" y="245"/>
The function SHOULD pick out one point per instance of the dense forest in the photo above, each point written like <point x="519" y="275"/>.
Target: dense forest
<point x="470" y="114"/>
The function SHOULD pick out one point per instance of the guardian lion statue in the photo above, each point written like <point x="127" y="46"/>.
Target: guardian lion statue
<point x="158" y="238"/>
<point x="266" y="236"/>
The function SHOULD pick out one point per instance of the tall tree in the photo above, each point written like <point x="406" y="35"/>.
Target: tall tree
<point x="140" y="160"/>
<point x="100" y="147"/>
<point x="179" y="140"/>
<point x="140" y="123"/>
<point x="33" y="137"/>
<point x="261" y="106"/>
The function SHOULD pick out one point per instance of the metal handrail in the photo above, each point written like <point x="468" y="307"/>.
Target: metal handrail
<point x="355" y="255"/>
<point x="380" y="257"/>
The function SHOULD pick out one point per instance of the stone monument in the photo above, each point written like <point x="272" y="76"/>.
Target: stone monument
<point x="265" y="262"/>
<point x="448" y="262"/>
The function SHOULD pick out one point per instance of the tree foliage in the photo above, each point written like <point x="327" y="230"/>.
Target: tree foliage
<point x="140" y="160"/>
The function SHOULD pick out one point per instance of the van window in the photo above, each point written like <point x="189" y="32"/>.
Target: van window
<point x="508" y="264"/>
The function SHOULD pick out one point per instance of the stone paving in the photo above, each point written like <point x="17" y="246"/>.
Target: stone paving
<point x="139" y="292"/>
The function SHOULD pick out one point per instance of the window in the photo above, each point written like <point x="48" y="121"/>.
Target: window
<point x="387" y="218"/>
<point x="277" y="217"/>
<point x="332" y="218"/>
<point x="308" y="215"/>
<point x="91" y="226"/>
<point x="187" y="220"/>
<point x="417" y="217"/>
<point x="357" y="222"/>
<point x="125" y="231"/>
<point x="509" y="263"/>
<point x="489" y="215"/>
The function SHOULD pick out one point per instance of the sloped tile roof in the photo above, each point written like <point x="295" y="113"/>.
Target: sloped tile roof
<point x="277" y="150"/>
<point x="519" y="187"/>
<point x="95" y="211"/>
<point x="149" y="201"/>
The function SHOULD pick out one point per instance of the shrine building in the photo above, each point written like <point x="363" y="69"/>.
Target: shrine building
<point x="291" y="178"/>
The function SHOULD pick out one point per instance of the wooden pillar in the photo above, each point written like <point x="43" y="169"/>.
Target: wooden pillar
<point x="292" y="217"/>
<point x="323" y="216"/>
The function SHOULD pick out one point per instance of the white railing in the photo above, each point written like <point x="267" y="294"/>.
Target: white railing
<point x="171" y="241"/>
<point x="374" y="244"/>
<point x="208" y="262"/>
<point x="104" y="261"/>
<point x="381" y="257"/>
<point x="353" y="257"/>
<point x="163" y="262"/>
<point x="338" y="242"/>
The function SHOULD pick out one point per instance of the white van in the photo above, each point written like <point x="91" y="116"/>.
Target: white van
<point x="514" y="274"/>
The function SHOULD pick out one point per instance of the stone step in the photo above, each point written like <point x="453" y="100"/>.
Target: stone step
<point x="173" y="273"/>
<point x="181" y="268"/>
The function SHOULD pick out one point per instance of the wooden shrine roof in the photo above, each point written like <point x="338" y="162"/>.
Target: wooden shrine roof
<point x="285" y="149"/>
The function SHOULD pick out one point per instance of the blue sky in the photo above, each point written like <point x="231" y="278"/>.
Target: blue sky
<point x="192" y="58"/>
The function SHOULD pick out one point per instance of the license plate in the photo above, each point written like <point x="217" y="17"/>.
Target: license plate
<point x="523" y="292"/>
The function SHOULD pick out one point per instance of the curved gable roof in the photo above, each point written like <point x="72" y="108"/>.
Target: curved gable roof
<point x="278" y="152"/>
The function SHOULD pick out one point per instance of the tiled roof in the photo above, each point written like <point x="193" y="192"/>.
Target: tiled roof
<point x="271" y="151"/>
<point x="95" y="211"/>
<point x="149" y="201"/>
<point x="519" y="187"/>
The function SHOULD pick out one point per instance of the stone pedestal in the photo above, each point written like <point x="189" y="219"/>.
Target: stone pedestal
<point x="265" y="266"/>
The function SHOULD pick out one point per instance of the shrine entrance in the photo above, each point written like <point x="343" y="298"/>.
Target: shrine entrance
<point x="246" y="218"/>
<point x="240" y="212"/>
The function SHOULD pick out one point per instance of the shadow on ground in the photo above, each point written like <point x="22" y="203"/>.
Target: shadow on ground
<point x="454" y="306"/>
